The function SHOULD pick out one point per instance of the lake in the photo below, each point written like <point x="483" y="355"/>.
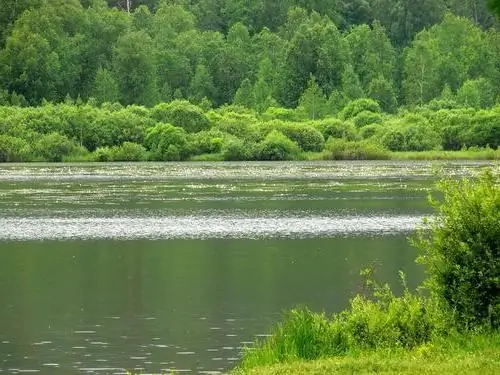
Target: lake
<point x="151" y="267"/>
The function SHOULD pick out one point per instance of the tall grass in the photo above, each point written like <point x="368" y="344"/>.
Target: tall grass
<point x="466" y="154"/>
<point x="380" y="321"/>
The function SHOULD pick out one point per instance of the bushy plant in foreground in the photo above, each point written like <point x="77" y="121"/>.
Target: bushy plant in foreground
<point x="461" y="251"/>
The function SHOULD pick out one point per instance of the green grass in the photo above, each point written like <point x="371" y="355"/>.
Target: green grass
<point x="463" y="354"/>
<point x="471" y="154"/>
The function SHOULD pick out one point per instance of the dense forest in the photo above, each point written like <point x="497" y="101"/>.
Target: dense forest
<point x="254" y="79"/>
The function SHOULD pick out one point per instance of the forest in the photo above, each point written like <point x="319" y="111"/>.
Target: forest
<point x="247" y="80"/>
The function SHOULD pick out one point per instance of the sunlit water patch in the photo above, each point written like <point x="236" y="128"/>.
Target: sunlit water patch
<point x="200" y="227"/>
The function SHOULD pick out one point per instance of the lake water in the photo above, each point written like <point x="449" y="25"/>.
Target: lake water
<point x="152" y="267"/>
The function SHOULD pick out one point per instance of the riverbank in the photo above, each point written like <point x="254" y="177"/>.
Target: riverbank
<point x="475" y="354"/>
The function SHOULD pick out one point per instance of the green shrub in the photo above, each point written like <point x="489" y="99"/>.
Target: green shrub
<point x="235" y="149"/>
<point x="13" y="149"/>
<point x="353" y="108"/>
<point x="333" y="127"/>
<point x="366" y="118"/>
<point x="183" y="114"/>
<point x="306" y="136"/>
<point x="102" y="154"/>
<point x="54" y="147"/>
<point x="241" y="125"/>
<point x="206" y="142"/>
<point x="461" y="251"/>
<point x="276" y="146"/>
<point x="410" y="133"/>
<point x="369" y="131"/>
<point x="340" y="149"/>
<point x="284" y="114"/>
<point x="167" y="142"/>
<point x="128" y="151"/>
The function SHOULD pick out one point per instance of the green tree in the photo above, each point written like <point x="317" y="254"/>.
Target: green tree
<point x="372" y="53"/>
<point x="202" y="85"/>
<point x="351" y="87"/>
<point x="405" y="18"/>
<point x="134" y="68"/>
<point x="244" y="95"/>
<point x="105" y="88"/>
<point x="312" y="101"/>
<point x="381" y="90"/>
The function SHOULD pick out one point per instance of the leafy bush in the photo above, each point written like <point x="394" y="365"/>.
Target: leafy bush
<point x="410" y="133"/>
<point x="340" y="149"/>
<point x="369" y="131"/>
<point x="276" y="146"/>
<point x="241" y="125"/>
<point x="355" y="107"/>
<point x="13" y="149"/>
<point x="366" y="118"/>
<point x="333" y="127"/>
<point x="306" y="136"/>
<point x="128" y="151"/>
<point x="183" y="114"/>
<point x="54" y="147"/>
<point x="206" y="142"/>
<point x="167" y="142"/>
<point x="235" y="149"/>
<point x="461" y="251"/>
<point x="102" y="154"/>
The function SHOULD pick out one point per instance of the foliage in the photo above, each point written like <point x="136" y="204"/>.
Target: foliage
<point x="167" y="142"/>
<point x="181" y="113"/>
<point x="461" y="251"/>
<point x="53" y="147"/>
<point x="13" y="149"/>
<point x="353" y="108"/>
<point x="387" y="321"/>
<point x="276" y="146"/>
<point x="340" y="149"/>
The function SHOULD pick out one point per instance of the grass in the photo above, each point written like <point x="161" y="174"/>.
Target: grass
<point x="475" y="354"/>
<point x="470" y="154"/>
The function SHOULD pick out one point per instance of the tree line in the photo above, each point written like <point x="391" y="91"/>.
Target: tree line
<point x="258" y="80"/>
<point x="258" y="53"/>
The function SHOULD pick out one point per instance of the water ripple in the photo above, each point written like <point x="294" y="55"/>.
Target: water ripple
<point x="201" y="227"/>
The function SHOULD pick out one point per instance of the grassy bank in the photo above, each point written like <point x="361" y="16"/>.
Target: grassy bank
<point x="469" y="354"/>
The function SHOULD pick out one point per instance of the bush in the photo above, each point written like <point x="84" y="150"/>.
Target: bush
<point x="167" y="142"/>
<point x="54" y="147"/>
<point x="183" y="114"/>
<point x="366" y="118"/>
<point x="128" y="151"/>
<point x="461" y="251"/>
<point x="333" y="127"/>
<point x="13" y="149"/>
<point x="206" y="142"/>
<point x="353" y="108"/>
<point x="369" y="131"/>
<point x="340" y="149"/>
<point x="276" y="146"/>
<point x="102" y="154"/>
<point x="306" y="136"/>
<point x="235" y="149"/>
